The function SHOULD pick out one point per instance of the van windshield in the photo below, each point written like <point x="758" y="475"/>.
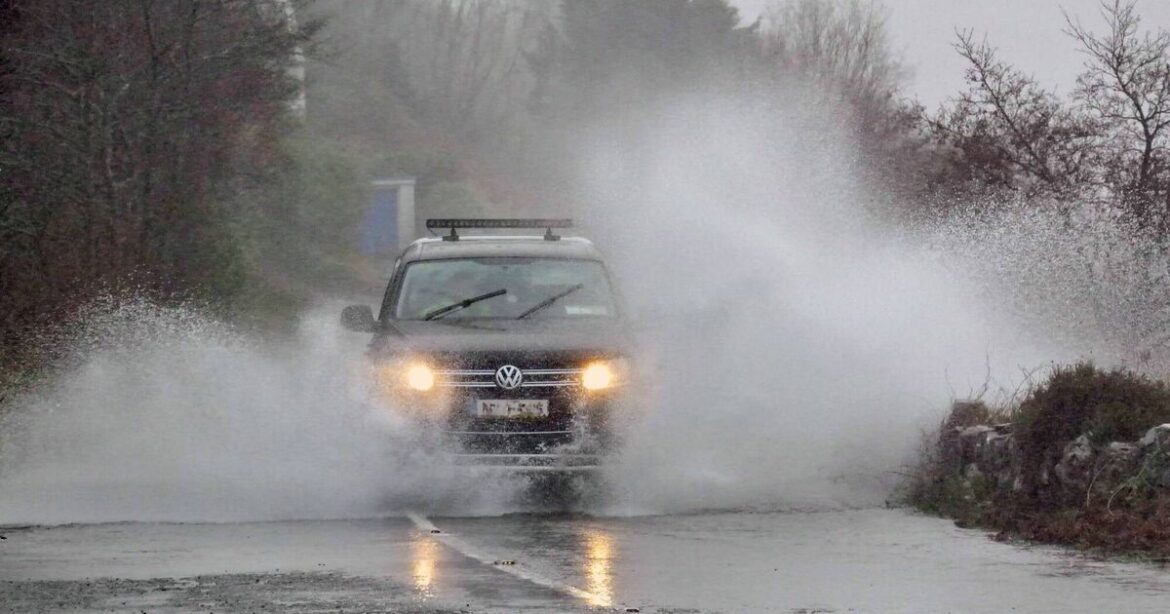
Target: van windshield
<point x="534" y="288"/>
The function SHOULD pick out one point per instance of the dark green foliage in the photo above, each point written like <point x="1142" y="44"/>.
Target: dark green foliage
<point x="1116" y="405"/>
<point x="127" y="128"/>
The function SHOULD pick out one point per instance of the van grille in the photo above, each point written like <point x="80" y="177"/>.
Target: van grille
<point x="486" y="378"/>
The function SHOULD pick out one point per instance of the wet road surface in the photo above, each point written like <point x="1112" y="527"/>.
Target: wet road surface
<point x="831" y="561"/>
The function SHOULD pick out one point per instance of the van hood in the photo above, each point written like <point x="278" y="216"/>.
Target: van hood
<point x="602" y="336"/>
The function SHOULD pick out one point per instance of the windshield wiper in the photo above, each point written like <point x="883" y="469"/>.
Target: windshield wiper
<point x="549" y="301"/>
<point x="435" y="314"/>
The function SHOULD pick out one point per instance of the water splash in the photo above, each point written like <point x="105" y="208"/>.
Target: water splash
<point x="793" y="347"/>
<point x="797" y="345"/>
<point x="172" y="416"/>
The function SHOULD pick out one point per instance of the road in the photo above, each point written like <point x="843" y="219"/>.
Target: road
<point x="868" y="560"/>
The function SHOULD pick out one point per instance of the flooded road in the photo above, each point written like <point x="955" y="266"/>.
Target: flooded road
<point x="873" y="560"/>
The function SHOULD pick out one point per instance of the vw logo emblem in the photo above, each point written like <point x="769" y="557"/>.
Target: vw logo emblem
<point x="509" y="377"/>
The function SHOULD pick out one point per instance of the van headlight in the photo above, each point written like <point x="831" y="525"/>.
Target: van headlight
<point x="411" y="374"/>
<point x="603" y="374"/>
<point x="420" y="377"/>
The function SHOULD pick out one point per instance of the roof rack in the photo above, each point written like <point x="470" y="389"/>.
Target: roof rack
<point x="453" y="223"/>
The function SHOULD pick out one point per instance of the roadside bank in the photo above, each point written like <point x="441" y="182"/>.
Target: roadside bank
<point x="1082" y="460"/>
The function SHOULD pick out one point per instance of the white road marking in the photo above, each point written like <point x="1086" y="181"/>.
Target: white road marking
<point x="518" y="570"/>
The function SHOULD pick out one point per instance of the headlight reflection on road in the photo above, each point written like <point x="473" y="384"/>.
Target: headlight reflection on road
<point x="598" y="569"/>
<point x="423" y="553"/>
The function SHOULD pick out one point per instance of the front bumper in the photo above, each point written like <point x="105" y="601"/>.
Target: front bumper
<point x="573" y="437"/>
<point x="532" y="463"/>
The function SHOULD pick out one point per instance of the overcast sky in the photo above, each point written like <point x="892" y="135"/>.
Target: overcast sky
<point x="1026" y="32"/>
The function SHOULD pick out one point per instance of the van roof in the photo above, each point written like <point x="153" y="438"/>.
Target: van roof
<point x="498" y="246"/>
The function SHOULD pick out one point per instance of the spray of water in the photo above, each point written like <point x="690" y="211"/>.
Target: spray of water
<point x="792" y="349"/>
<point x="797" y="346"/>
<point x="171" y="416"/>
<point x="1090" y="280"/>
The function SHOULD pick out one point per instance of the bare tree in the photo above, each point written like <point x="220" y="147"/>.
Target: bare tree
<point x="1009" y="131"/>
<point x="840" y="50"/>
<point x="1126" y="83"/>
<point x="841" y="43"/>
<point x="465" y="58"/>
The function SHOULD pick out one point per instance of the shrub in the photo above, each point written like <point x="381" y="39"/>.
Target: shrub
<point x="973" y="412"/>
<point x="1116" y="405"/>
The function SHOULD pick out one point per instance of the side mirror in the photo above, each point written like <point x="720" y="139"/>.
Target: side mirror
<point x="359" y="319"/>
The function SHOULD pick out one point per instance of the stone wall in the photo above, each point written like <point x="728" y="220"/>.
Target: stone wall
<point x="990" y="456"/>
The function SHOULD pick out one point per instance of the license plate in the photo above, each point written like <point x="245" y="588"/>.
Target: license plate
<point x="511" y="408"/>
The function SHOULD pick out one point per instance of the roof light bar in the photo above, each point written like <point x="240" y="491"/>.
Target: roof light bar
<point x="499" y="223"/>
<point x="453" y="223"/>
